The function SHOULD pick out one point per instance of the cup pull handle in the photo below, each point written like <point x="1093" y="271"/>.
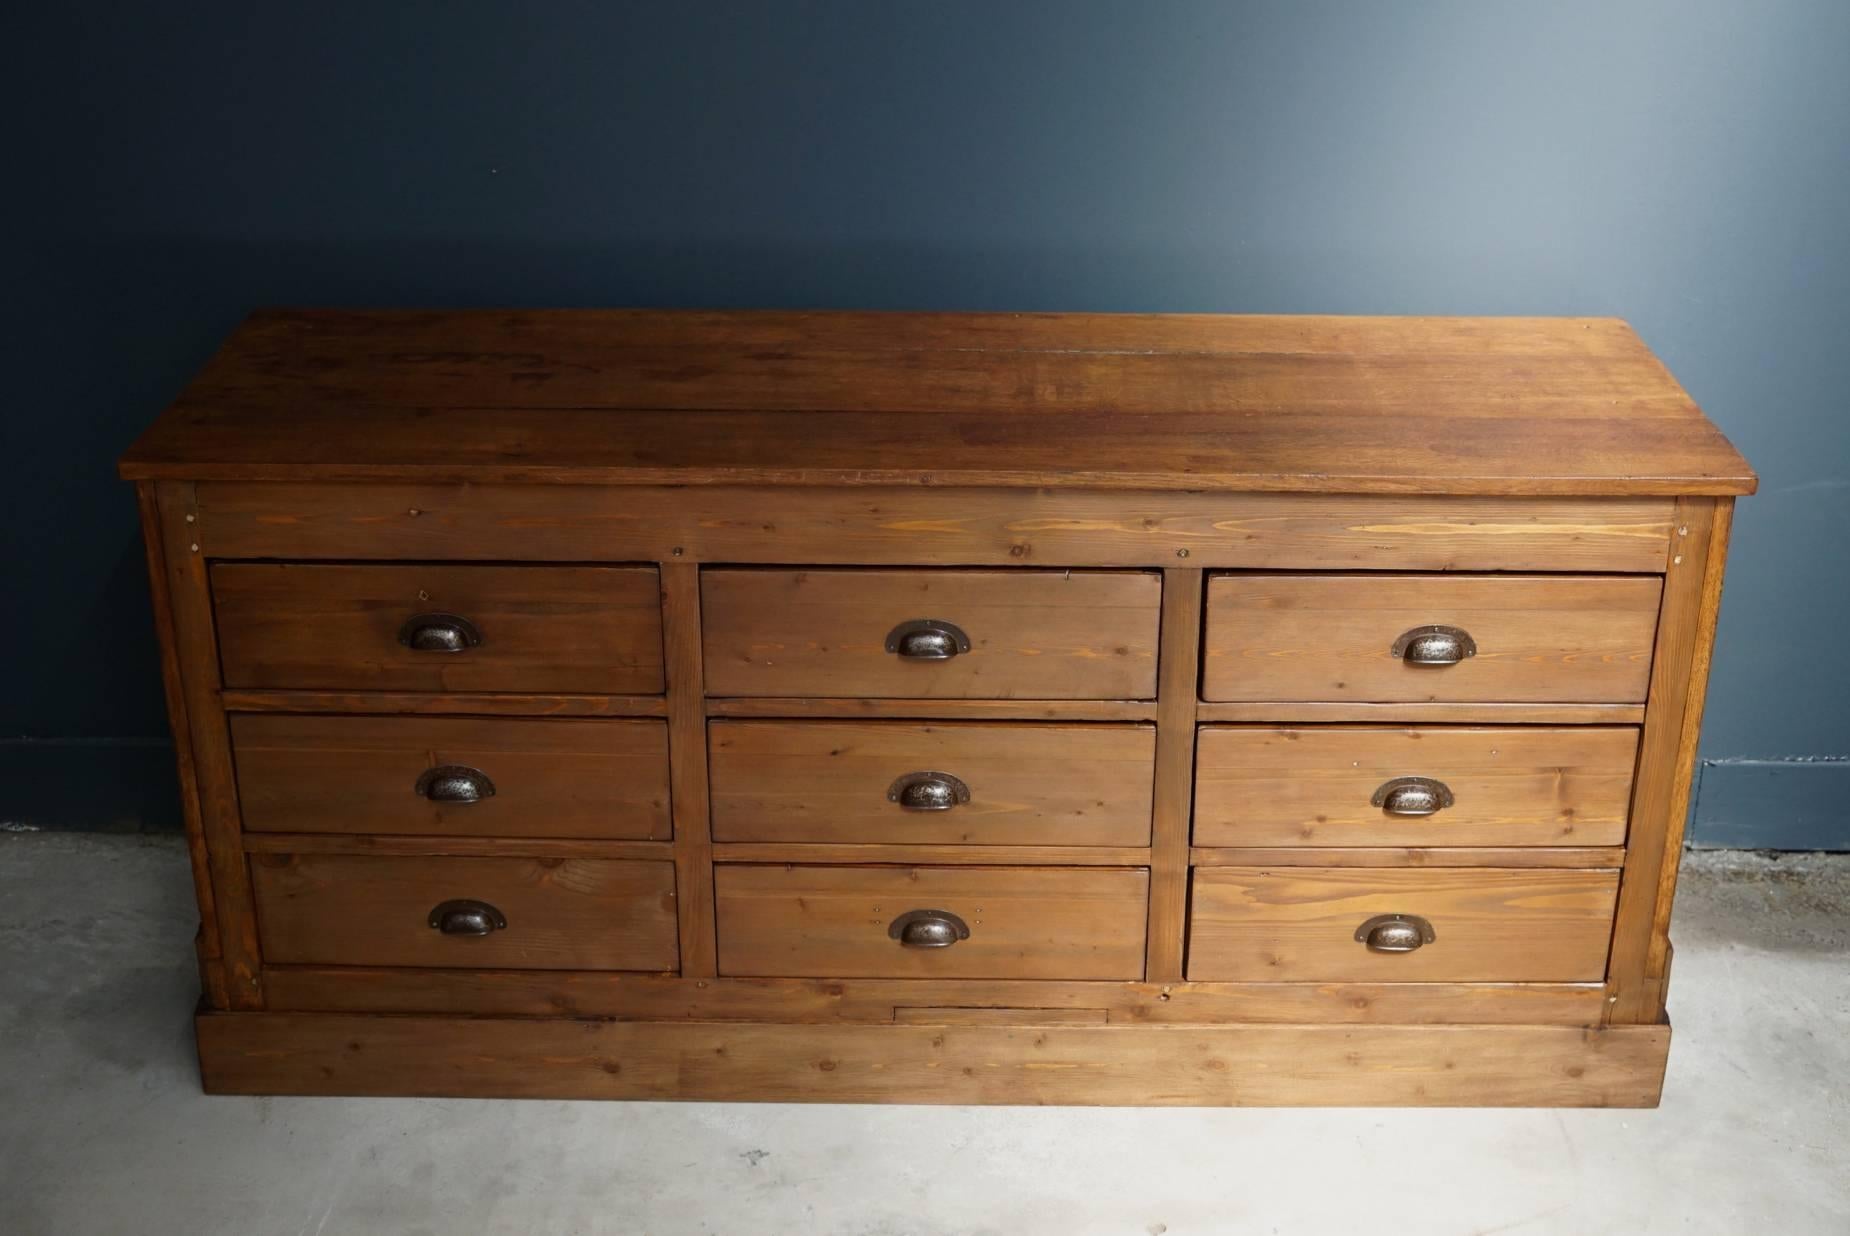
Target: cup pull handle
<point x="1395" y="933"/>
<point x="927" y="639"/>
<point x="928" y="791"/>
<point x="439" y="633"/>
<point x="1434" y="646"/>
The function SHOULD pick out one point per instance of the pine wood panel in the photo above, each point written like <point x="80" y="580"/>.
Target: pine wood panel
<point x="359" y="775"/>
<point x="456" y="847"/>
<point x="1054" y="923"/>
<point x="547" y="993"/>
<point x="1443" y="1066"/>
<point x="573" y="629"/>
<point x="1314" y="786"/>
<point x="562" y="914"/>
<point x="1666" y="762"/>
<point x="687" y="750"/>
<point x="1033" y="634"/>
<point x="792" y="707"/>
<point x="173" y="681"/>
<point x="947" y="854"/>
<point x="1175" y="755"/>
<point x="1479" y="713"/>
<point x="455" y="704"/>
<point x="811" y="781"/>
<point x="1384" y="405"/>
<point x="1609" y="857"/>
<point x="1251" y="924"/>
<point x="1328" y="637"/>
<point x="933" y="526"/>
<point x="205" y="745"/>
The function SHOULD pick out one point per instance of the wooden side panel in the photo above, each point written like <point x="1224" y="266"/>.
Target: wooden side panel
<point x="818" y="781"/>
<point x="1538" y="638"/>
<point x="570" y="629"/>
<point x="359" y="775"/>
<point x="562" y="914"/>
<point x="1029" y="923"/>
<point x="1445" y="1066"/>
<point x="1666" y="762"/>
<point x="1033" y="634"/>
<point x="1299" y="924"/>
<point x="909" y="526"/>
<point x="194" y="655"/>
<point x="1315" y="786"/>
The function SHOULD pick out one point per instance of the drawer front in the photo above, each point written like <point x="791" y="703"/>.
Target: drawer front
<point x="1002" y="634"/>
<point x="1412" y="786"/>
<point x="458" y="777"/>
<point x="1538" y="639"/>
<point x="561" y="914"/>
<point x="1299" y="924"/>
<point x="595" y="630"/>
<point x="839" y="922"/>
<point x="940" y="783"/>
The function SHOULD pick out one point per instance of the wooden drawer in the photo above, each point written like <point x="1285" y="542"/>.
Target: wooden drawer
<point x="449" y="776"/>
<point x="561" y="914"/>
<point x="1344" y="785"/>
<point x="1539" y="638"/>
<point x="1024" y="923"/>
<point x="1022" y="784"/>
<point x="1031" y="634"/>
<point x="592" y="630"/>
<point x="1299" y="924"/>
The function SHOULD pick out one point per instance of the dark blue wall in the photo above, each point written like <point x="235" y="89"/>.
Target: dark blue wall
<point x="1685" y="165"/>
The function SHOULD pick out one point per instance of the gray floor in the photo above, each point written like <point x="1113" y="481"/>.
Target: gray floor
<point x="103" y="1130"/>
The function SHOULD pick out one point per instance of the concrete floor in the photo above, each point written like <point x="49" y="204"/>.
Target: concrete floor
<point x="103" y="1129"/>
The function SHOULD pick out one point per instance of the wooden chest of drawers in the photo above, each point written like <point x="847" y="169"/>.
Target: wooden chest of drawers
<point x="936" y="708"/>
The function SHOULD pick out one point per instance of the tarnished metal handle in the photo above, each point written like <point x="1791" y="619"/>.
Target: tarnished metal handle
<point x="1412" y="796"/>
<point x="928" y="929"/>
<point x="464" y="917"/>
<point x="439" y="633"/>
<point x="928" y="791"/>
<point x="1434" y="646"/>
<point x="1395" y="933"/>
<point x="455" y="783"/>
<point x="927" y="639"/>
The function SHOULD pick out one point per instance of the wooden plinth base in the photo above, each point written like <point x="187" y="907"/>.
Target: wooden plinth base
<point x="1136" y="1065"/>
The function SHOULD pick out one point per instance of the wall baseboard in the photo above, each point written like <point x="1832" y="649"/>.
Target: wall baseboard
<point x="111" y="785"/>
<point x="1790" y="804"/>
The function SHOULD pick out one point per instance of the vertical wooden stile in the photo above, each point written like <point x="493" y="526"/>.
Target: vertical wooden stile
<point x="1666" y="759"/>
<point x="212" y="792"/>
<point x="1178" y="676"/>
<point x="687" y="768"/>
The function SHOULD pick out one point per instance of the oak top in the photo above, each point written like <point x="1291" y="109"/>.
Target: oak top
<point x="1558" y="406"/>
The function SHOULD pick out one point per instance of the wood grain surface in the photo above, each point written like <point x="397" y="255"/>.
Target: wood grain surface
<point x="1251" y="924"/>
<point x="562" y="914"/>
<point x="1415" y="405"/>
<point x="543" y="628"/>
<point x="932" y="526"/>
<point x="1314" y="785"/>
<point x="1575" y="639"/>
<point x="1193" y="1066"/>
<point x="825" y="781"/>
<point x="549" y="993"/>
<point x="1033" y="634"/>
<point x="359" y="775"/>
<point x="1051" y="923"/>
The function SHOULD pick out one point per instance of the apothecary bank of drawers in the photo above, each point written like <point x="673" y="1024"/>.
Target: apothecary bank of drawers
<point x="936" y="708"/>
